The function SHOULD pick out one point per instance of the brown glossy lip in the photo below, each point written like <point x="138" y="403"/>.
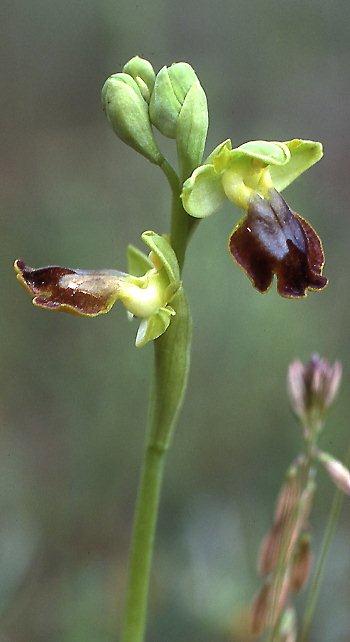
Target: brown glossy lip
<point x="273" y="240"/>
<point x="79" y="292"/>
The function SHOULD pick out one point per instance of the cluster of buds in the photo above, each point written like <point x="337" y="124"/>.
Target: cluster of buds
<point x="285" y="556"/>
<point x="173" y="101"/>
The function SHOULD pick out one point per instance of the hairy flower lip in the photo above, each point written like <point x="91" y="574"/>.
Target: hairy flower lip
<point x="271" y="239"/>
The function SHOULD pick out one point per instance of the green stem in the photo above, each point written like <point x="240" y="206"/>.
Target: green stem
<point x="142" y="545"/>
<point x="172" y="358"/>
<point x="315" y="587"/>
<point x="182" y="225"/>
<point x="171" y="175"/>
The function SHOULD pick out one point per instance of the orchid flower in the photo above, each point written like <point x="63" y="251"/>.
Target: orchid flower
<point x="146" y="293"/>
<point x="270" y="238"/>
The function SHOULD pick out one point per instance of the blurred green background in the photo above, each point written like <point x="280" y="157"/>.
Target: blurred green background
<point x="74" y="391"/>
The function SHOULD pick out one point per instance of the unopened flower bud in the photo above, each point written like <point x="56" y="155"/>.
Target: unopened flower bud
<point x="127" y="111"/>
<point x="338" y="473"/>
<point x="289" y="495"/>
<point x="302" y="563"/>
<point x="178" y="108"/>
<point x="142" y="72"/>
<point x="312" y="387"/>
<point x="279" y="544"/>
<point x="170" y="90"/>
<point x="268" y="604"/>
<point x="282" y="536"/>
<point x="260" y="610"/>
<point x="270" y="549"/>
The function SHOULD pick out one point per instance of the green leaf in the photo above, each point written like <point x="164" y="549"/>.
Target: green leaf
<point x="165" y="253"/>
<point x="203" y="193"/>
<point x="268" y="152"/>
<point x="154" y="326"/>
<point x="192" y="127"/>
<point x="138" y="262"/>
<point x="303" y="154"/>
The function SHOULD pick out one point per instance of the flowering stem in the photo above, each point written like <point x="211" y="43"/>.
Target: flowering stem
<point x="314" y="589"/>
<point x="171" y="365"/>
<point x="142" y="545"/>
<point x="182" y="225"/>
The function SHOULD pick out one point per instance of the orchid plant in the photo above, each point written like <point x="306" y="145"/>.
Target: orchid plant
<point x="270" y="239"/>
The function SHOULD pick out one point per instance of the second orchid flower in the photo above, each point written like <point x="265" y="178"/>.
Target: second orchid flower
<point x="146" y="292"/>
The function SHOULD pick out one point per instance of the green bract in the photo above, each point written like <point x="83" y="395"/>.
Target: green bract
<point x="254" y="167"/>
<point x="127" y="111"/>
<point x="178" y="108"/>
<point x="303" y="154"/>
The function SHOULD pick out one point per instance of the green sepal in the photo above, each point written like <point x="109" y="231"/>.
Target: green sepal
<point x="170" y="89"/>
<point x="192" y="128"/>
<point x="127" y="112"/>
<point x="303" y="154"/>
<point x="142" y="72"/>
<point x="203" y="193"/>
<point x="138" y="262"/>
<point x="154" y="326"/>
<point x="165" y="254"/>
<point x="269" y="153"/>
<point x="220" y="155"/>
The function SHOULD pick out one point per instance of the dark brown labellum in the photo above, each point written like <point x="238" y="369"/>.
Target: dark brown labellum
<point x="272" y="239"/>
<point x="80" y="292"/>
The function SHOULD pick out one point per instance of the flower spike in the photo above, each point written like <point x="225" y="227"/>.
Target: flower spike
<point x="90" y="293"/>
